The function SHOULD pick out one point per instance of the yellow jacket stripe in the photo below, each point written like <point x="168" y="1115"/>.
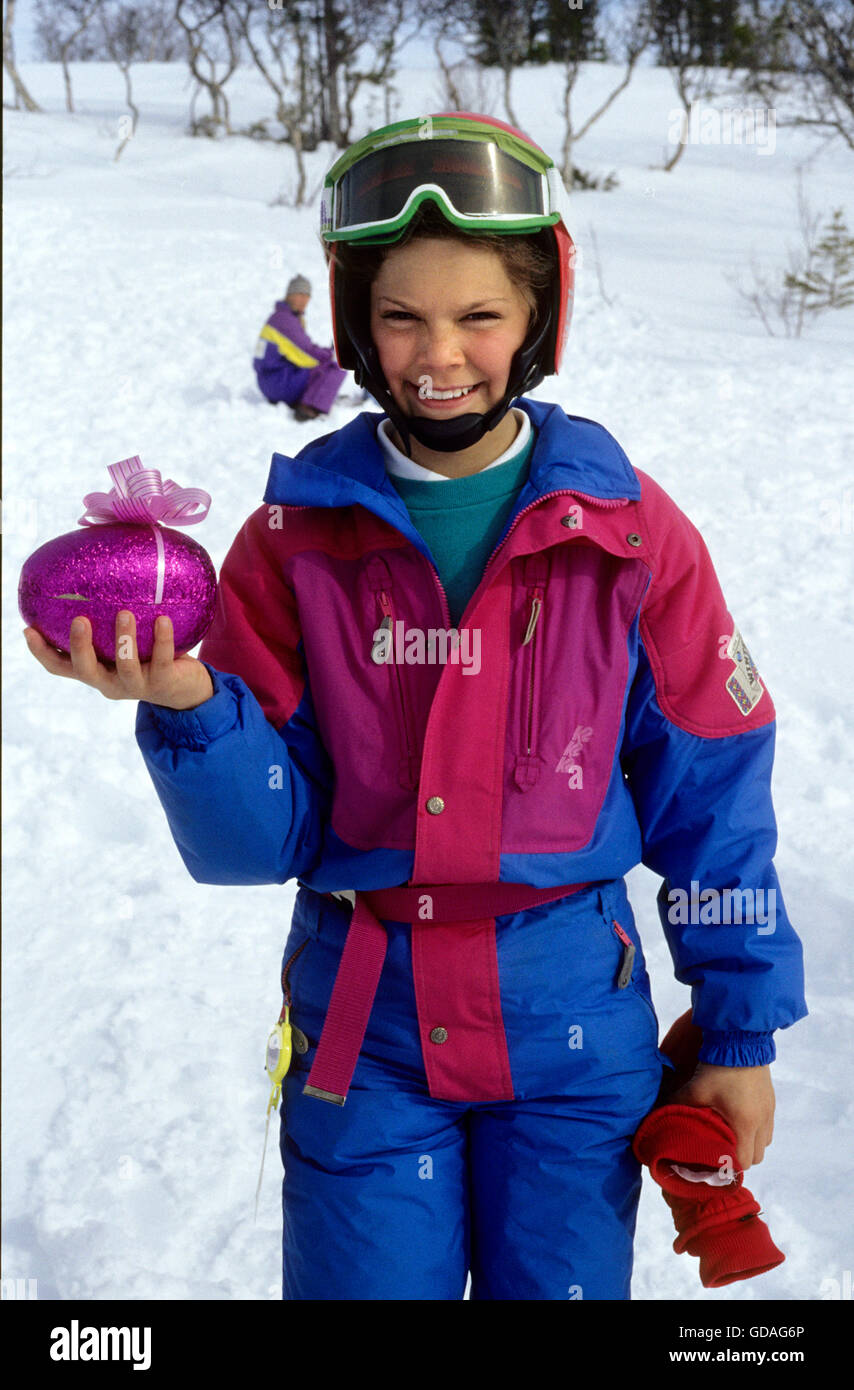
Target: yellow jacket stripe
<point x="287" y="348"/>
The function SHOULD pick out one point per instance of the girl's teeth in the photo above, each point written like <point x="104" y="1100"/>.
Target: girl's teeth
<point x="447" y="395"/>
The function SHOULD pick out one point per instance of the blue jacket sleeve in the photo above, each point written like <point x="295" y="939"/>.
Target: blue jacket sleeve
<point x="239" y="807"/>
<point x="246" y="786"/>
<point x="706" y="815"/>
<point x="697" y="756"/>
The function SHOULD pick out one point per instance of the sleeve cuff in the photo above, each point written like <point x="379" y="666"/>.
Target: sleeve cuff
<point x="737" y="1049"/>
<point x="195" y="728"/>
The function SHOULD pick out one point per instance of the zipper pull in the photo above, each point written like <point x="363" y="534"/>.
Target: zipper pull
<point x="536" y="605"/>
<point x="628" y="961"/>
<point x="379" y="655"/>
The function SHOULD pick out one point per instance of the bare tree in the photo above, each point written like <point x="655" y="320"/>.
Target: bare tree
<point x="508" y="34"/>
<point x="22" y="96"/>
<point x="213" y="42"/>
<point x="674" y="29"/>
<point x="326" y="50"/>
<point x="278" y="43"/>
<point x="121" y="37"/>
<point x="60" y="30"/>
<point x="450" y="91"/>
<point x="161" y="39"/>
<point x="631" y="33"/>
<point x="821" y="47"/>
<point x="466" y="86"/>
<point x="357" y="43"/>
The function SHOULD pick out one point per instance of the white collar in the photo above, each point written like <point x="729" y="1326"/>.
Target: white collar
<point x="400" y="466"/>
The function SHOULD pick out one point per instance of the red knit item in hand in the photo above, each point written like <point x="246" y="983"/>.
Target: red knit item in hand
<point x="719" y="1224"/>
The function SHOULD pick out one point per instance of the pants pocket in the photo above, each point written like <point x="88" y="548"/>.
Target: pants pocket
<point x="630" y="974"/>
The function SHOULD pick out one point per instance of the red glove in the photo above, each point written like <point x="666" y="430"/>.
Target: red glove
<point x="718" y="1223"/>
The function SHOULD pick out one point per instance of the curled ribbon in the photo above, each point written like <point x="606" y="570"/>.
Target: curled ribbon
<point x="140" y="495"/>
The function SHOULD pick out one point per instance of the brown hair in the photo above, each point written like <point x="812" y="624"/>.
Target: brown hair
<point x="526" y="259"/>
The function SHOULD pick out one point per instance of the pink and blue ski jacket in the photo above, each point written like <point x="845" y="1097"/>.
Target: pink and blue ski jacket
<point x="615" y="716"/>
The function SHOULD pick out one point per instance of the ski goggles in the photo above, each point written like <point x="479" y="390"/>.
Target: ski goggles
<point x="371" y="194"/>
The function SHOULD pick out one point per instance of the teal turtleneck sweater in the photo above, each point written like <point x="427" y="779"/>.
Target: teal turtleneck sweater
<point x="461" y="519"/>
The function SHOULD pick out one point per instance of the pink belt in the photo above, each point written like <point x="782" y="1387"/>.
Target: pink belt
<point x="364" y="952"/>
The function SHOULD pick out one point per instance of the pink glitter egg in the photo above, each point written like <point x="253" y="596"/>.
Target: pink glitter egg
<point x="98" y="571"/>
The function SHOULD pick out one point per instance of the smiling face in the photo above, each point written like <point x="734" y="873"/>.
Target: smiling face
<point x="445" y="316"/>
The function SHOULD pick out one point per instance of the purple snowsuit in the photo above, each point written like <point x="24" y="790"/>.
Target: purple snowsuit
<point x="290" y="367"/>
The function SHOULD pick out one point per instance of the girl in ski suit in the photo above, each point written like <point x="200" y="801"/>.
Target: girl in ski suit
<point x="468" y="668"/>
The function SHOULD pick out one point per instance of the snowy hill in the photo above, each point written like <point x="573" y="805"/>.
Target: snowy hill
<point x="136" y="1002"/>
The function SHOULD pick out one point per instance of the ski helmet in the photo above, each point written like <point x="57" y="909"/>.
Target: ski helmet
<point x="485" y="177"/>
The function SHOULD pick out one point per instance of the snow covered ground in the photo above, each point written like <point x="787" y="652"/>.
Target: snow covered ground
<point x="136" y="1002"/>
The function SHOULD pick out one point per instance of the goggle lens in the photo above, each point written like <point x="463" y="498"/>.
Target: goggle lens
<point x="478" y="179"/>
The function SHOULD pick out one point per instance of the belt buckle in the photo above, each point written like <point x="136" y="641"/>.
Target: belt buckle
<point x="347" y="895"/>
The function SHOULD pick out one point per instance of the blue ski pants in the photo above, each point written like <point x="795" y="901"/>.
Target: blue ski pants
<point x="398" y="1196"/>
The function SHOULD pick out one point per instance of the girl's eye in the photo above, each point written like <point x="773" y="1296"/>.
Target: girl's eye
<point x="404" y="314"/>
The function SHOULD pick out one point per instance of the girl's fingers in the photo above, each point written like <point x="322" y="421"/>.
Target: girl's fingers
<point x="84" y="659"/>
<point x="57" y="663"/>
<point x="128" y="671"/>
<point x="162" y="654"/>
<point x="84" y="662"/>
<point x="123" y="681"/>
<point x="744" y="1146"/>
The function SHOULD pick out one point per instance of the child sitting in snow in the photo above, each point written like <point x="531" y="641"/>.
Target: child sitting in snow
<point x="288" y="365"/>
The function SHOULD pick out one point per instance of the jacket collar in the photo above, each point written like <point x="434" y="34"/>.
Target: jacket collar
<point x="347" y="466"/>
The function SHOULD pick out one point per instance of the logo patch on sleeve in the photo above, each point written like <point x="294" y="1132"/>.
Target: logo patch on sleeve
<point x="743" y="683"/>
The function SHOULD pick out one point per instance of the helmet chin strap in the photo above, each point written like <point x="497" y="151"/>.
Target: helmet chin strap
<point x="460" y="432"/>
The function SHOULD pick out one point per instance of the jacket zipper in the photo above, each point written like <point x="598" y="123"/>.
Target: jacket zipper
<point x="536" y="607"/>
<point x="608" y="503"/>
<point x="407" y="767"/>
<point x="528" y="765"/>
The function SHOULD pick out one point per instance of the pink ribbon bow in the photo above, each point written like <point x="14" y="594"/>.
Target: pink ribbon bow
<point x="140" y="494"/>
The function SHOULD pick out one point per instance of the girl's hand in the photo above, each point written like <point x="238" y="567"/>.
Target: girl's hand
<point x="745" y="1098"/>
<point x="178" y="683"/>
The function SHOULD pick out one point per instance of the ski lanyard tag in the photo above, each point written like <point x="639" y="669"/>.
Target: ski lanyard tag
<point x="278" y="1057"/>
<point x="276" y="1062"/>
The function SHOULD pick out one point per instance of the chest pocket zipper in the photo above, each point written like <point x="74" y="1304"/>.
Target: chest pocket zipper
<point x="529" y="764"/>
<point x="380" y="581"/>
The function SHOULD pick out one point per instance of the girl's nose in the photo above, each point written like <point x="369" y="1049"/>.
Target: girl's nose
<point x="441" y="347"/>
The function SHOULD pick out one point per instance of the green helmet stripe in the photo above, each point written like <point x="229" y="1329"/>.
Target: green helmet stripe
<point x="448" y="128"/>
